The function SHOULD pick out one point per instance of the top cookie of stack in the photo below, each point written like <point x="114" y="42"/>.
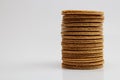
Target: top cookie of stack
<point x="82" y="39"/>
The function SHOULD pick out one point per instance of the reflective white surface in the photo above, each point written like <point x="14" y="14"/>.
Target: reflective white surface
<point x="83" y="75"/>
<point x="52" y="70"/>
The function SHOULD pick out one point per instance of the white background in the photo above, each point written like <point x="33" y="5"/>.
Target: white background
<point x="30" y="47"/>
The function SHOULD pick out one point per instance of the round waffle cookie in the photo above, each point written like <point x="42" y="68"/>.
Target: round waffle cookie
<point x="84" y="20"/>
<point x="82" y="24"/>
<point x="78" y="56"/>
<point x="83" y="59"/>
<point x="84" y="63"/>
<point x="82" y="41"/>
<point x="81" y="48"/>
<point x="88" y="12"/>
<point x="82" y="37"/>
<point x="83" y="52"/>
<point x="82" y="29"/>
<point x="81" y="67"/>
<point x="66" y="17"/>
<point x="81" y="33"/>
<point x="83" y="45"/>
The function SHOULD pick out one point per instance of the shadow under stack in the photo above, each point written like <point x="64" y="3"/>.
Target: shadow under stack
<point x="82" y="39"/>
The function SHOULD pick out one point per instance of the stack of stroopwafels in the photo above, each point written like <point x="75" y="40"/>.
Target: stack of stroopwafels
<point x="82" y="39"/>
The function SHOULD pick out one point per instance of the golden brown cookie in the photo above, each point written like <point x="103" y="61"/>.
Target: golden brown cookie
<point x="81" y="67"/>
<point x="75" y="18"/>
<point x="83" y="59"/>
<point x="84" y="45"/>
<point x="82" y="24"/>
<point x="84" y="20"/>
<point x="83" y="52"/>
<point x="85" y="29"/>
<point x="81" y="49"/>
<point x="88" y="59"/>
<point x="82" y="41"/>
<point x="84" y="63"/>
<point x="78" y="56"/>
<point x="90" y="12"/>
<point x="82" y="37"/>
<point x="81" y="33"/>
<point x="66" y="17"/>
